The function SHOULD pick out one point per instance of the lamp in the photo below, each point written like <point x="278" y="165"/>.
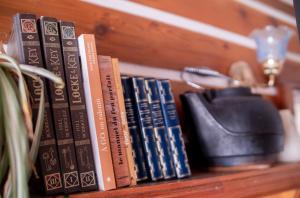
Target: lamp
<point x="271" y="43"/>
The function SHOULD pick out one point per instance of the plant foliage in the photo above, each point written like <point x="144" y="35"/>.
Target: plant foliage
<point x="19" y="140"/>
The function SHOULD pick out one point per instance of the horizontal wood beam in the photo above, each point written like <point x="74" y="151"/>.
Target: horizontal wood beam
<point x="281" y="5"/>
<point x="234" y="16"/>
<point x="139" y="40"/>
<point x="175" y="75"/>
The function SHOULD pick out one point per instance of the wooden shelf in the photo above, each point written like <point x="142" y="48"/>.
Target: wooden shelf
<point x="210" y="185"/>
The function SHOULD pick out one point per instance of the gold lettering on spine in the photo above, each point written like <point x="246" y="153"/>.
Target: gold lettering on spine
<point x="74" y="78"/>
<point x="100" y="116"/>
<point x="114" y="120"/>
<point x="37" y="90"/>
<point x="33" y="56"/>
<point x="33" y="59"/>
<point x="55" y="63"/>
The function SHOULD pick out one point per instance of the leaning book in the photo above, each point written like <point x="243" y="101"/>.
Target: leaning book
<point x="171" y="119"/>
<point x="145" y="122"/>
<point x="160" y="129"/>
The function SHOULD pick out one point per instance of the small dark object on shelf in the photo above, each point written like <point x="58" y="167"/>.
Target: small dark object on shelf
<point x="233" y="127"/>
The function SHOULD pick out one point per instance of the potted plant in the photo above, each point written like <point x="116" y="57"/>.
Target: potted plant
<point x="19" y="139"/>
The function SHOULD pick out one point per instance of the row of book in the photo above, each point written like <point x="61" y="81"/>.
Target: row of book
<point x="101" y="131"/>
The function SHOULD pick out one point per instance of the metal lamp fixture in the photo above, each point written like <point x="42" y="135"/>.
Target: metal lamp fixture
<point x="271" y="49"/>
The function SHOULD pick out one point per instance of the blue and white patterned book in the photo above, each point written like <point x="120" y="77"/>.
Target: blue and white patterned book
<point x="160" y="130"/>
<point x="134" y="130"/>
<point x="146" y="126"/>
<point x="174" y="130"/>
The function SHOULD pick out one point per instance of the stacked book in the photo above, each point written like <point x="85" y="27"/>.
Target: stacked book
<point x="102" y="131"/>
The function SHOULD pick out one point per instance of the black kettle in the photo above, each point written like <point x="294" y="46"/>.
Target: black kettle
<point x="233" y="126"/>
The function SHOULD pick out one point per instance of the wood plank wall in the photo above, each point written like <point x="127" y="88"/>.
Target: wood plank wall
<point x="140" y="40"/>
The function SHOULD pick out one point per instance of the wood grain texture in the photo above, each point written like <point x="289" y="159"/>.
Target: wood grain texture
<point x="286" y="194"/>
<point x="227" y="14"/>
<point x="131" y="38"/>
<point x="138" y="40"/>
<point x="243" y="184"/>
<point x="280" y="5"/>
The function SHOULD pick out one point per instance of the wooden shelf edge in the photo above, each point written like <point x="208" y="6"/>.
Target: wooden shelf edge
<point x="243" y="184"/>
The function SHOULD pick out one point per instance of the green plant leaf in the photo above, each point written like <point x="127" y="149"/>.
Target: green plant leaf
<point x="16" y="124"/>
<point x="16" y="140"/>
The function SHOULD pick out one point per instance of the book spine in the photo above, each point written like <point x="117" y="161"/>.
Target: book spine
<point x="124" y="124"/>
<point x="59" y="102"/>
<point x="28" y="43"/>
<point x="96" y="112"/>
<point x="174" y="130"/>
<point x="81" y="131"/>
<point x="160" y="130"/>
<point x="134" y="130"/>
<point x="113" y="119"/>
<point x="146" y="126"/>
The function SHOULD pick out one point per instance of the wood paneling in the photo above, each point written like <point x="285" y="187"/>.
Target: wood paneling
<point x="286" y="194"/>
<point x="280" y="5"/>
<point x="131" y="38"/>
<point x="134" y="39"/>
<point x="142" y="41"/>
<point x="226" y="14"/>
<point x="237" y="185"/>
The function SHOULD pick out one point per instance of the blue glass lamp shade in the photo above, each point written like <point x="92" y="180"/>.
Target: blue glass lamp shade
<point x="271" y="43"/>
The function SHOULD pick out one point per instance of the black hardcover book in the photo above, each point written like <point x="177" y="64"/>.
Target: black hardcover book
<point x="146" y="128"/>
<point x="134" y="130"/>
<point x="24" y="45"/>
<point x="59" y="102"/>
<point x="80" y="125"/>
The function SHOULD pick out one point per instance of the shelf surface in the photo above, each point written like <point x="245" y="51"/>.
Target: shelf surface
<point x="237" y="184"/>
